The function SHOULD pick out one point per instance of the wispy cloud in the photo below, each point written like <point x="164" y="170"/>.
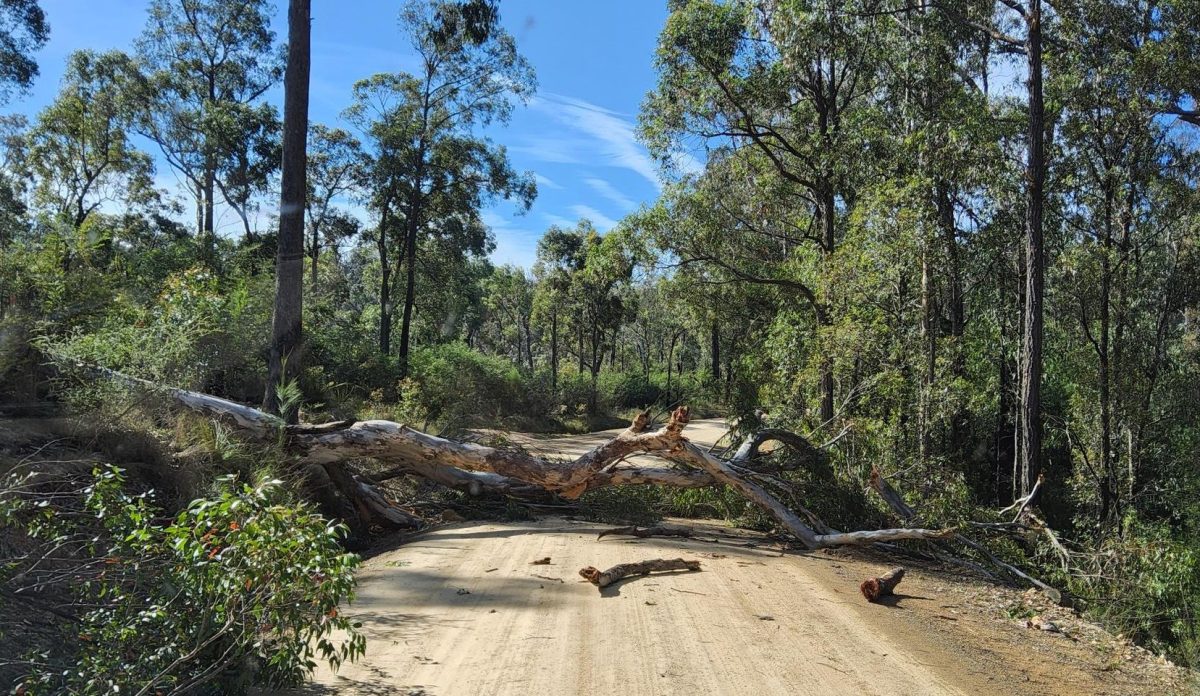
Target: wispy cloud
<point x="602" y="222"/>
<point x="558" y="220"/>
<point x="553" y="150"/>
<point x="607" y="134"/>
<point x="610" y="192"/>
<point x="547" y="182"/>
<point x="514" y="244"/>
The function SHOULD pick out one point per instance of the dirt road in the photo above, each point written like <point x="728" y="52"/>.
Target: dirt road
<point x="461" y="610"/>
<point x="703" y="432"/>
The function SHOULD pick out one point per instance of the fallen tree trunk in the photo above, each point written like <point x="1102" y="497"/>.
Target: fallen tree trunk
<point x="477" y="468"/>
<point x="615" y="573"/>
<point x="882" y="586"/>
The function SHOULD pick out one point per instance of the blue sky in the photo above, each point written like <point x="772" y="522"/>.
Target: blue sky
<point x="594" y="62"/>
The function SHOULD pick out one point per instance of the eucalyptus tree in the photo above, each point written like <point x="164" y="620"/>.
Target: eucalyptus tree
<point x="1126" y="212"/>
<point x="587" y="277"/>
<point x="559" y="254"/>
<point x="205" y="66"/>
<point x="79" y="152"/>
<point x="779" y="87"/>
<point x="508" y="296"/>
<point x="23" y="31"/>
<point x="286" y="323"/>
<point x="335" y="172"/>
<point x="14" y="177"/>
<point x="432" y="171"/>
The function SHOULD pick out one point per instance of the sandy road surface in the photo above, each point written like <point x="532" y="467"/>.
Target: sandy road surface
<point x="461" y="610"/>
<point x="703" y="432"/>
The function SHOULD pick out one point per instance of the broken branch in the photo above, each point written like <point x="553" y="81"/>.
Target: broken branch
<point x="624" y="570"/>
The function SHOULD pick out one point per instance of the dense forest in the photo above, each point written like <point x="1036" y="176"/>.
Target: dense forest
<point x="956" y="241"/>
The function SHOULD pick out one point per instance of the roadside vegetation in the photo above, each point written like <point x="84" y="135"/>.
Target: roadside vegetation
<point x="969" y="288"/>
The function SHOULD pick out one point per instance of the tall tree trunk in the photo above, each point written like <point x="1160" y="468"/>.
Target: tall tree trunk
<point x="929" y="373"/>
<point x="528" y="341"/>
<point x="828" y="239"/>
<point x="314" y="254"/>
<point x="554" y="348"/>
<point x="207" y="216"/>
<point x="579" y="335"/>
<point x="410" y="287"/>
<point x="1109" y="488"/>
<point x="1031" y="368"/>
<point x="286" y="330"/>
<point x="385" y="280"/>
<point x="955" y="304"/>
<point x="715" y="353"/>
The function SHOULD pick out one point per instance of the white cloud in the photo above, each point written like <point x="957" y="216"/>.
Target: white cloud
<point x="606" y="133"/>
<point x="514" y="245"/>
<point x="553" y="150"/>
<point x="611" y="193"/>
<point x="558" y="220"/>
<point x="547" y="182"/>
<point x="602" y="222"/>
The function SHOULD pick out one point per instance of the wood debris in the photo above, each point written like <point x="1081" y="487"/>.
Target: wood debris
<point x="605" y="578"/>
<point x="882" y="586"/>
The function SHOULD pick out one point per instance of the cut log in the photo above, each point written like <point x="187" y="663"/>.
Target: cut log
<point x="605" y="578"/>
<point x="646" y="532"/>
<point x="882" y="586"/>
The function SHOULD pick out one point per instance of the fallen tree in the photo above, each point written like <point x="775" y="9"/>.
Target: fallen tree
<point x="909" y="514"/>
<point x="325" y="451"/>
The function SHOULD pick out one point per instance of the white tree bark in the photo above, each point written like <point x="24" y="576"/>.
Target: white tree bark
<point x="476" y="468"/>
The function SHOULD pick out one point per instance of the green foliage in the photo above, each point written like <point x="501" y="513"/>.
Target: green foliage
<point x="197" y="328"/>
<point x="241" y="588"/>
<point x="1146" y="585"/>
<point x="23" y="30"/>
<point x="640" y="505"/>
<point x="458" y="386"/>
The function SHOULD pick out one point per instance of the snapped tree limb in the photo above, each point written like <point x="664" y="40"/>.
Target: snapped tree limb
<point x="605" y="578"/>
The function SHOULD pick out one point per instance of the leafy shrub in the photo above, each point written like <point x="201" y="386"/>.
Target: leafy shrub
<point x="458" y="385"/>
<point x="575" y="392"/>
<point x="1147" y="586"/>
<point x="197" y="334"/>
<point x="241" y="588"/>
<point x="629" y="390"/>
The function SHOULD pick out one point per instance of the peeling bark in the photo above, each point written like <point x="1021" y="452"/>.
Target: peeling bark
<point x="477" y="468"/>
